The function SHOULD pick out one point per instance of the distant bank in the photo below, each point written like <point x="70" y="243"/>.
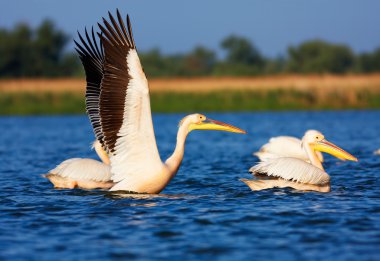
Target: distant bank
<point x="289" y="92"/>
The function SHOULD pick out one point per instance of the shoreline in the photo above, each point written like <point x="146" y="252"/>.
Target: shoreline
<point x="277" y="93"/>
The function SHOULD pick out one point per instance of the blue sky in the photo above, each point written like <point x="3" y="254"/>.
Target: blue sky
<point x="178" y="26"/>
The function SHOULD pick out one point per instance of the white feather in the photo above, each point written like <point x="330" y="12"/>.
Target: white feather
<point x="83" y="169"/>
<point x="292" y="169"/>
<point x="284" y="146"/>
<point x="136" y="155"/>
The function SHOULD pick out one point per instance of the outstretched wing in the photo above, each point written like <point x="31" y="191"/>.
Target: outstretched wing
<point x="92" y="58"/>
<point x="125" y="113"/>
<point x="292" y="169"/>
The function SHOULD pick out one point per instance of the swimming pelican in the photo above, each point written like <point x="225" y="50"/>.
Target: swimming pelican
<point x="284" y="146"/>
<point x="297" y="170"/>
<point x="118" y="105"/>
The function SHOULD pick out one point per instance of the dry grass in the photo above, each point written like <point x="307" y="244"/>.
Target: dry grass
<point x="204" y="94"/>
<point x="295" y="82"/>
<point x="323" y="83"/>
<point x="43" y="85"/>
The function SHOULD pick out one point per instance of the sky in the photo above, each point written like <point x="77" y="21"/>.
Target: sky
<point x="178" y="26"/>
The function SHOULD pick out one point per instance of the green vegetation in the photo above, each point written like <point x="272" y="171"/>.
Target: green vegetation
<point x="261" y="100"/>
<point x="320" y="57"/>
<point x="40" y="52"/>
<point x="26" y="52"/>
<point x="71" y="103"/>
<point x="27" y="103"/>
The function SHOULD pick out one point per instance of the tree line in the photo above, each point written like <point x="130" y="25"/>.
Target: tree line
<point x="42" y="52"/>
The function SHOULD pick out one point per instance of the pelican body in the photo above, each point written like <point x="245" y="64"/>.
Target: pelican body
<point x="298" y="170"/>
<point x="118" y="106"/>
<point x="284" y="146"/>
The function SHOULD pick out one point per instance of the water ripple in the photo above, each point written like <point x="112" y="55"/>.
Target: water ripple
<point x="206" y="213"/>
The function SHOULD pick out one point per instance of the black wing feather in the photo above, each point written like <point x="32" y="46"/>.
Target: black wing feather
<point x="117" y="45"/>
<point x="92" y="59"/>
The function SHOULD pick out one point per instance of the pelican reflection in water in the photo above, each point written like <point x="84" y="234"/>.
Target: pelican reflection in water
<point x="295" y="172"/>
<point x="118" y="105"/>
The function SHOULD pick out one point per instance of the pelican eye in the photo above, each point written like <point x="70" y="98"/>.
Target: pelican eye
<point x="319" y="138"/>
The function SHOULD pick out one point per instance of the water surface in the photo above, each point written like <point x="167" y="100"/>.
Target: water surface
<point x="205" y="213"/>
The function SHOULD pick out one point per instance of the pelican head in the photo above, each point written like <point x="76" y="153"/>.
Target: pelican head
<point x="316" y="140"/>
<point x="101" y="152"/>
<point x="201" y="122"/>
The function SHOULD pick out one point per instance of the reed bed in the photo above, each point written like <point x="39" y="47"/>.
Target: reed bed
<point x="290" y="92"/>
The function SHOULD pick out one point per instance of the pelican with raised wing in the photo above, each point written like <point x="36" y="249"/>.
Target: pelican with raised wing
<point x="284" y="146"/>
<point x="118" y="105"/>
<point x="297" y="170"/>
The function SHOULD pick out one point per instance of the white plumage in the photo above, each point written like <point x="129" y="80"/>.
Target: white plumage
<point x="118" y="105"/>
<point x="292" y="169"/>
<point x="296" y="170"/>
<point x="284" y="146"/>
<point x="83" y="169"/>
<point x="136" y="154"/>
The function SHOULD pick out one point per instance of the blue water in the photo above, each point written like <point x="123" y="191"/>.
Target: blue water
<point x="205" y="213"/>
